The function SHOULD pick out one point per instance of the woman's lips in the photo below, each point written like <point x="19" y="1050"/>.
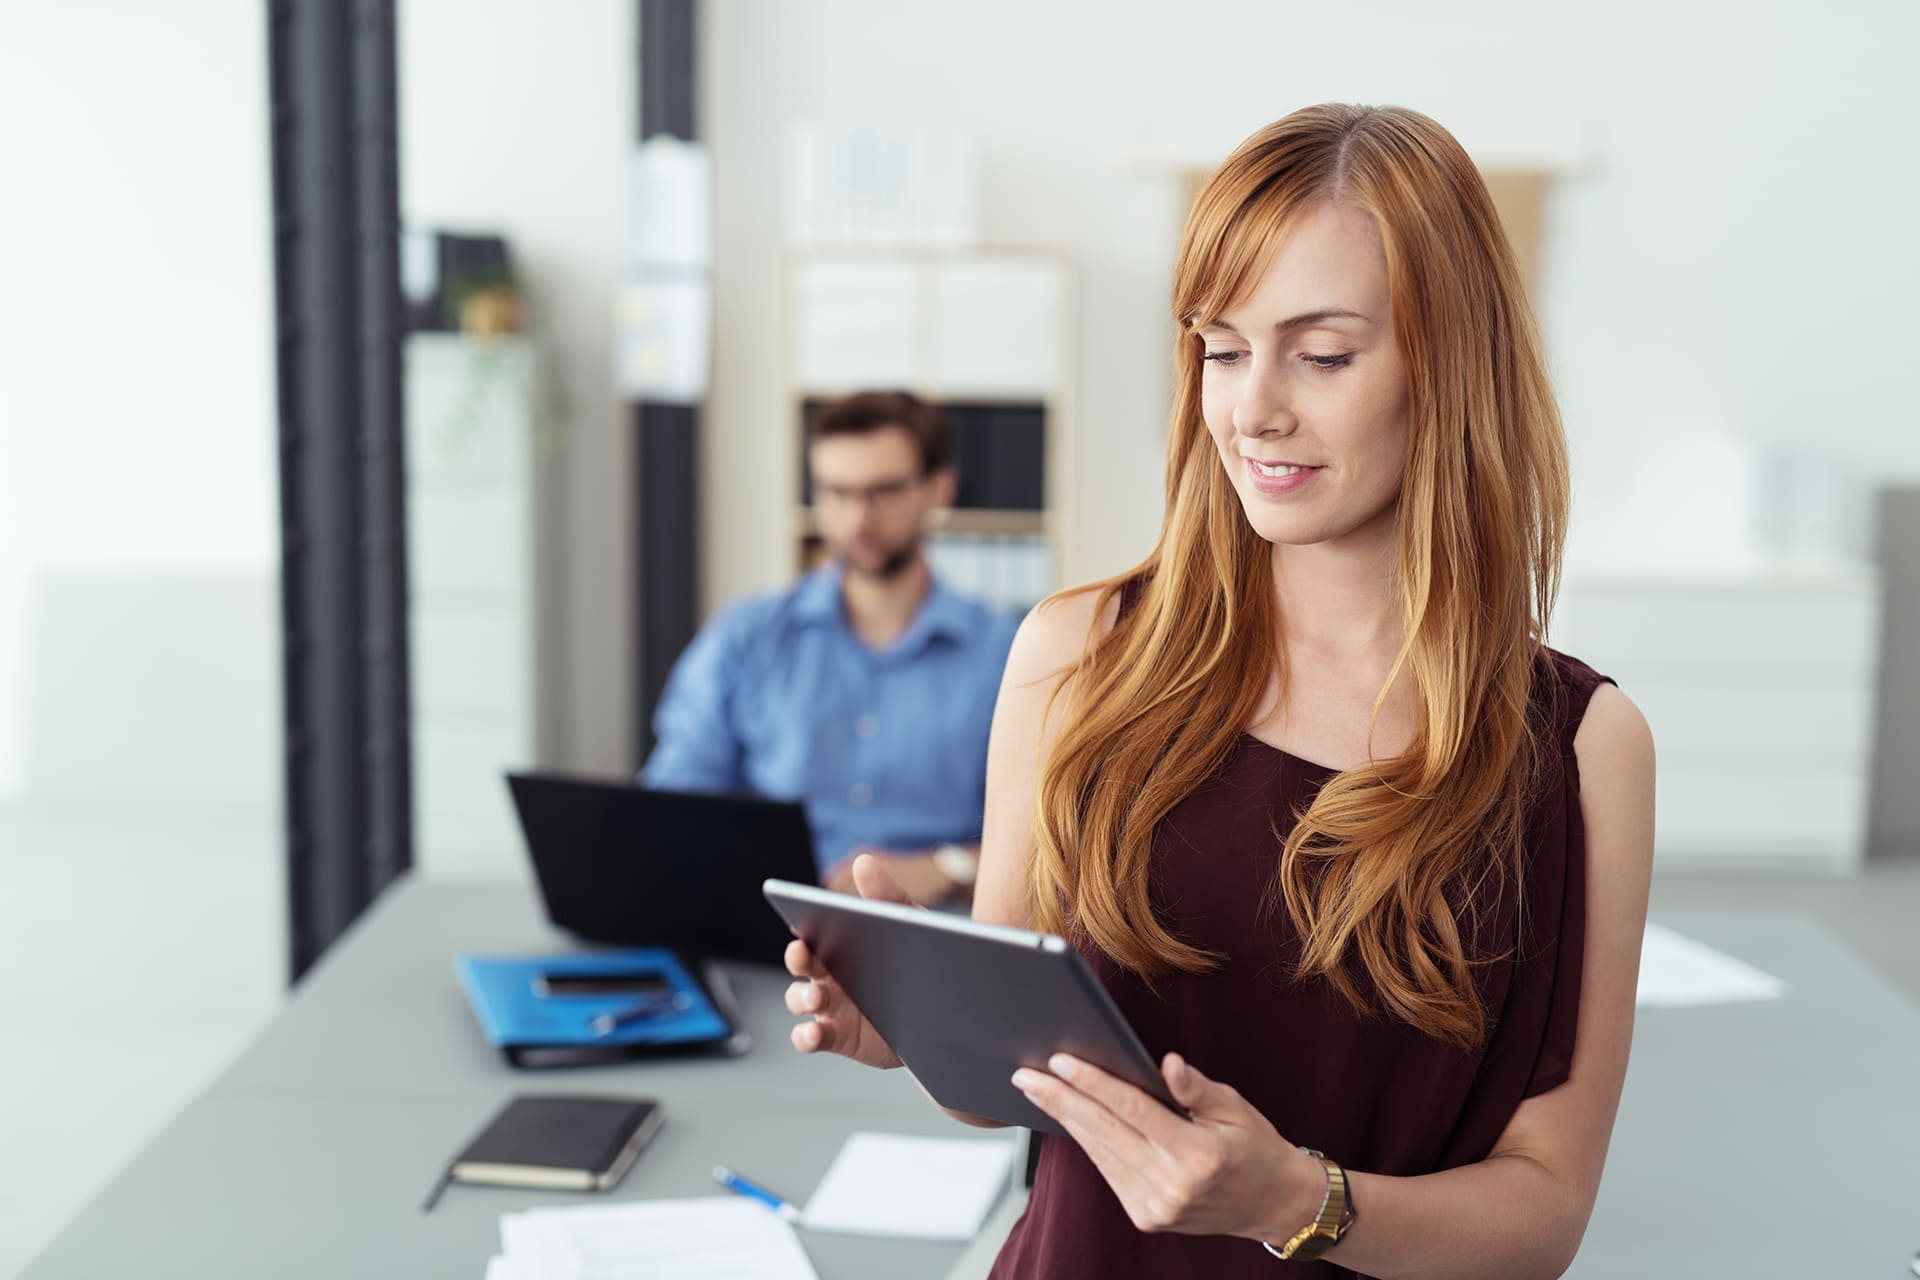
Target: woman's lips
<point x="1290" y="482"/>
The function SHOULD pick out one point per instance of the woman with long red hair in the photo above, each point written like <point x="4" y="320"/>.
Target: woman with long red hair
<point x="1352" y="848"/>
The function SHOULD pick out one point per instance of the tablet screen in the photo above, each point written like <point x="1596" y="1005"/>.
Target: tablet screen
<point x="964" y="1003"/>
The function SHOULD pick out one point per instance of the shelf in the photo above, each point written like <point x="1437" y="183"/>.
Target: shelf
<point x="973" y="520"/>
<point x="982" y="520"/>
<point x="971" y="396"/>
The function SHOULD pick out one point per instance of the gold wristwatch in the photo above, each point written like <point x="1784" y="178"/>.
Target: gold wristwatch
<point x="1335" y="1216"/>
<point x="959" y="864"/>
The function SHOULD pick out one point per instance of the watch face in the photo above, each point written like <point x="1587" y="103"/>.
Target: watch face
<point x="962" y="866"/>
<point x="1305" y="1250"/>
<point x="1313" y="1248"/>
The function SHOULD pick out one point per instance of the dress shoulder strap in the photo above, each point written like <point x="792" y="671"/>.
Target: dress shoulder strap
<point x="1569" y="686"/>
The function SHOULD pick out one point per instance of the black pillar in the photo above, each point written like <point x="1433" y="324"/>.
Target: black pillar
<point x="666" y="436"/>
<point x="338" y="320"/>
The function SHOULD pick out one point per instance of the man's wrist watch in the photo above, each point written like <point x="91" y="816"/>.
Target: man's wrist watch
<point x="1328" y="1226"/>
<point x="957" y="863"/>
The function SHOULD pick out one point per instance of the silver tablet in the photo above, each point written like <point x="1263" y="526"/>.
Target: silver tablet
<point x="964" y="1004"/>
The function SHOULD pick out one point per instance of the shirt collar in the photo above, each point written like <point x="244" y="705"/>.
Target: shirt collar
<point x="817" y="598"/>
<point x="817" y="601"/>
<point x="942" y="613"/>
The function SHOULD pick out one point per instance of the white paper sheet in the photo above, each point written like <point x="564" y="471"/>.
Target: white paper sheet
<point x="712" y="1238"/>
<point x="500" y="1267"/>
<point x="663" y="339"/>
<point x="930" y="1188"/>
<point x="670" y="205"/>
<point x="516" y="1243"/>
<point x="1676" y="971"/>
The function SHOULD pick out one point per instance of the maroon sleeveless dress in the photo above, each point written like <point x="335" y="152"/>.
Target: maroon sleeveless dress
<point x="1372" y="1093"/>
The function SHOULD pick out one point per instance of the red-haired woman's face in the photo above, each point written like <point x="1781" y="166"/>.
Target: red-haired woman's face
<point x="1304" y="390"/>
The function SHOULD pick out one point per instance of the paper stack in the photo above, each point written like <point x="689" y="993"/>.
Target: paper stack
<point x="1676" y="971"/>
<point x="717" y="1238"/>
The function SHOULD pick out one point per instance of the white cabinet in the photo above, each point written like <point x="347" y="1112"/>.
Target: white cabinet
<point x="1759" y="689"/>
<point x="854" y="324"/>
<point x="984" y="332"/>
<point x="979" y="323"/>
<point x="470" y="428"/>
<point x="994" y="326"/>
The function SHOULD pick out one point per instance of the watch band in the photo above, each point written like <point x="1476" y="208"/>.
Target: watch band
<point x="1335" y="1216"/>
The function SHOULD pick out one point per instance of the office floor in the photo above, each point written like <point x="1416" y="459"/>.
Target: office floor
<point x="141" y="957"/>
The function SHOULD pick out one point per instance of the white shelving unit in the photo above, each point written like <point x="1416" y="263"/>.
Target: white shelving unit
<point x="982" y="327"/>
<point x="1759" y="689"/>
<point x="470" y="429"/>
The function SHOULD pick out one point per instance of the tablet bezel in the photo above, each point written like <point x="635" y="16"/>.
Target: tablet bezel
<point x="1018" y="996"/>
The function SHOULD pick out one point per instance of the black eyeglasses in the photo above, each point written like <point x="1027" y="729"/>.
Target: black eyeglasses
<point x="886" y="493"/>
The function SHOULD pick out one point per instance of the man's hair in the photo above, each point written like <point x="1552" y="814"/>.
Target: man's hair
<point x="873" y="410"/>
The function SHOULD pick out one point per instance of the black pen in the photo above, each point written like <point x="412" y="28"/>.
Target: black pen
<point x="647" y="1010"/>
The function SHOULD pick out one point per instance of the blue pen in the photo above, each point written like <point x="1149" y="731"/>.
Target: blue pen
<point x="753" y="1190"/>
<point x="646" y="1011"/>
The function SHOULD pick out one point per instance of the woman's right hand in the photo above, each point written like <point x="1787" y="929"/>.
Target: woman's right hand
<point x="838" y="1026"/>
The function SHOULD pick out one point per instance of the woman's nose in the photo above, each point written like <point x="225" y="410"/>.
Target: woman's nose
<point x="1264" y="407"/>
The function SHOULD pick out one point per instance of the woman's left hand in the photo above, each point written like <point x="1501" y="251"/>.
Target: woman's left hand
<point x="1225" y="1171"/>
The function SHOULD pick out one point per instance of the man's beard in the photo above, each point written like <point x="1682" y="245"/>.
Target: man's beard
<point x="891" y="566"/>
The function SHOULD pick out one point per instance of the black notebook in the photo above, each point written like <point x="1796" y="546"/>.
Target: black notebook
<point x="557" y="1141"/>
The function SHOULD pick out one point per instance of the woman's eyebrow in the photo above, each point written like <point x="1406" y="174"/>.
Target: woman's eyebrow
<point x="1306" y="318"/>
<point x="1300" y="321"/>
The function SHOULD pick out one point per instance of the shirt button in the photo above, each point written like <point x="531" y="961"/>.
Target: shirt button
<point x="860" y="794"/>
<point x="867" y="726"/>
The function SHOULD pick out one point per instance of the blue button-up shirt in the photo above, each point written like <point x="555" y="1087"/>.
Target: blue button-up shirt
<point x="887" y="748"/>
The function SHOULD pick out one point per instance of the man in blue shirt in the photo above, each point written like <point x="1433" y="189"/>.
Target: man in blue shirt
<point x="865" y="689"/>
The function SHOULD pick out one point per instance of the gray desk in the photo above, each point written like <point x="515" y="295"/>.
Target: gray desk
<point x="1773" y="1140"/>
<point x="1778" y="1139"/>
<point x="309" y="1157"/>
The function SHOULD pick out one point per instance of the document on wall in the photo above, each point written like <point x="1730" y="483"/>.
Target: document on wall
<point x="1676" y="971"/>
<point x="711" y="1238"/>
<point x="670" y="205"/>
<point x="663" y="340"/>
<point x="879" y="183"/>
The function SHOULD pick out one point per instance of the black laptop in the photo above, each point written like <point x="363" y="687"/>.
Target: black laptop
<point x="625" y="866"/>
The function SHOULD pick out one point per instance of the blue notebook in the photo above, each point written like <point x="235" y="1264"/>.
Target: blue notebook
<point x="575" y="1008"/>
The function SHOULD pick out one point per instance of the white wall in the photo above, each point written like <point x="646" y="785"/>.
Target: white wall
<point x="519" y="118"/>
<point x="137" y="419"/>
<point x="139" y="643"/>
<point x="137" y="426"/>
<point x="1730" y="249"/>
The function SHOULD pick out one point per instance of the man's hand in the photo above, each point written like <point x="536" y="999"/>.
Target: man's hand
<point x="836" y="1024"/>
<point x="916" y="873"/>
